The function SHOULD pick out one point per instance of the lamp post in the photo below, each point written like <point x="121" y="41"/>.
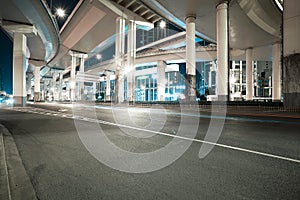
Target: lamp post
<point x="60" y="13"/>
<point x="162" y="26"/>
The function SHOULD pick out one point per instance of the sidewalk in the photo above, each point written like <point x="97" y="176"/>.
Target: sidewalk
<point x="14" y="181"/>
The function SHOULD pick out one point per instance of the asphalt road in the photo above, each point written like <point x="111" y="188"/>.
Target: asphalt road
<point x="255" y="157"/>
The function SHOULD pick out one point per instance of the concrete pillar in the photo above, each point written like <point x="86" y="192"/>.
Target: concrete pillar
<point x="19" y="59"/>
<point x="45" y="89"/>
<point x="276" y="73"/>
<point x="53" y="86"/>
<point x="190" y="58"/>
<point x="94" y="91"/>
<point x="213" y="69"/>
<point x="60" y="87"/>
<point x="241" y="77"/>
<point x="161" y="80"/>
<point x="42" y="97"/>
<point x="107" y="92"/>
<point x="222" y="51"/>
<point x="119" y="86"/>
<point x="81" y="84"/>
<point x="249" y="74"/>
<point x="72" y="78"/>
<point x="28" y="85"/>
<point x="210" y="80"/>
<point x="131" y="54"/>
<point x="291" y="73"/>
<point x="19" y="69"/>
<point x="37" y="85"/>
<point x="119" y="59"/>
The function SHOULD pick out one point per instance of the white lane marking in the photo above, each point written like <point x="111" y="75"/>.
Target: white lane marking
<point x="179" y="137"/>
<point x="191" y="139"/>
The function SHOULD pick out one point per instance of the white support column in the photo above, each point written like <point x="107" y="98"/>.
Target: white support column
<point x="241" y="76"/>
<point x="60" y="86"/>
<point x="19" y="69"/>
<point x="131" y="54"/>
<point x="81" y="68"/>
<point x="161" y="80"/>
<point x="45" y="89"/>
<point x="120" y="40"/>
<point x="249" y="74"/>
<point x="107" y="91"/>
<point x="120" y="86"/>
<point x="222" y="51"/>
<point x="42" y="97"/>
<point x="119" y="59"/>
<point x="210" y="79"/>
<point x="37" y="85"/>
<point x="53" y="86"/>
<point x="81" y="84"/>
<point x="29" y="85"/>
<point x="213" y="69"/>
<point x="190" y="58"/>
<point x="232" y="81"/>
<point x="19" y="59"/>
<point x="94" y="91"/>
<point x="276" y="73"/>
<point x="72" y="78"/>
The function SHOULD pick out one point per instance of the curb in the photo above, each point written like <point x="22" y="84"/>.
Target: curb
<point x="5" y="191"/>
<point x="13" y="174"/>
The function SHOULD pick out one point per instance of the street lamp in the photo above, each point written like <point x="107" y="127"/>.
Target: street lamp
<point x="99" y="56"/>
<point x="162" y="24"/>
<point x="60" y="12"/>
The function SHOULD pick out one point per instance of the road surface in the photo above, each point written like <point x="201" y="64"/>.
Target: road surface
<point x="254" y="158"/>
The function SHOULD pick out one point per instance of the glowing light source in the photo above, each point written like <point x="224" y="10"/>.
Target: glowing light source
<point x="162" y="24"/>
<point x="99" y="56"/>
<point x="60" y="12"/>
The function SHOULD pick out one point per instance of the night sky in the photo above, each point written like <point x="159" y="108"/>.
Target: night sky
<point x="68" y="6"/>
<point x="6" y="45"/>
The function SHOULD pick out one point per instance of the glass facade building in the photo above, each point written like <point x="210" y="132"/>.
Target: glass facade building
<point x="146" y="77"/>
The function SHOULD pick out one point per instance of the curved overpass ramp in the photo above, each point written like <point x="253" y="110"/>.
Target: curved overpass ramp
<point x="252" y="23"/>
<point x="43" y="42"/>
<point x="35" y="38"/>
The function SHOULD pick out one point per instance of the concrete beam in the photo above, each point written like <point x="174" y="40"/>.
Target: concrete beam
<point x="18" y="27"/>
<point x="128" y="5"/>
<point x="137" y="8"/>
<point x="37" y="62"/>
<point x="150" y="16"/>
<point x="145" y="12"/>
<point x="78" y="54"/>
